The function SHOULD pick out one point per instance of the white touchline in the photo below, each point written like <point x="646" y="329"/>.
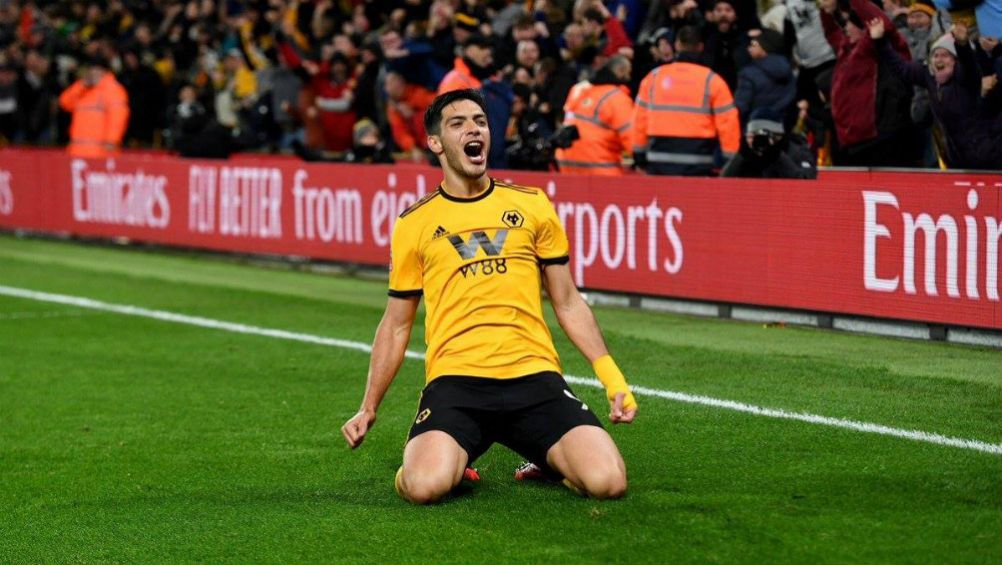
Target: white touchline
<point x="199" y="321"/>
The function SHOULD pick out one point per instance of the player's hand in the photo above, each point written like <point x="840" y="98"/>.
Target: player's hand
<point x="354" y="430"/>
<point x="618" y="415"/>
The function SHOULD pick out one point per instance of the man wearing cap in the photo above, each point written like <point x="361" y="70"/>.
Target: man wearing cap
<point x="768" y="81"/>
<point x="100" y="109"/>
<point x="768" y="153"/>
<point x="924" y="25"/>
<point x="471" y="68"/>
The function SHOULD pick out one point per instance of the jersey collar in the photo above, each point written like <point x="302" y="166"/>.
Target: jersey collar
<point x="480" y="196"/>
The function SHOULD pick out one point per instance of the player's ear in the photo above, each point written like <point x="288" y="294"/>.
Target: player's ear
<point x="435" y="144"/>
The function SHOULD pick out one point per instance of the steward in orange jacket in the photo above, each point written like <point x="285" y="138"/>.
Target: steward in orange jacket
<point x="472" y="68"/>
<point x="100" y="109"/>
<point x="603" y="113"/>
<point x="405" y="108"/>
<point x="683" y="113"/>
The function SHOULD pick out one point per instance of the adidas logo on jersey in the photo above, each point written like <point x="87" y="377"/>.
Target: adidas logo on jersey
<point x="439" y="233"/>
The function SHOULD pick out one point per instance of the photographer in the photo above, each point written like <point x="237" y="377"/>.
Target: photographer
<point x="767" y="152"/>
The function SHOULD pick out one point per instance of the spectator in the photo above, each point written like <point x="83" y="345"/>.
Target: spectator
<point x="767" y="152"/>
<point x="987" y="14"/>
<point x="527" y="55"/>
<point x="659" y="52"/>
<point x="814" y="55"/>
<point x="8" y="104"/>
<point x="605" y="30"/>
<point x="661" y="49"/>
<point x="923" y="25"/>
<point x="405" y="108"/>
<point x="100" y="112"/>
<point x="670" y="14"/>
<point x="554" y="82"/>
<point x="684" y="113"/>
<point x="768" y="81"/>
<point x="193" y="132"/>
<point x="413" y="58"/>
<point x="36" y="97"/>
<point x="367" y="145"/>
<point x="602" y="110"/>
<point x="328" y="100"/>
<point x="472" y="67"/>
<point x="726" y="43"/>
<point x="141" y="82"/>
<point x="870" y="103"/>
<point x="952" y="78"/>
<point x="630" y="12"/>
<point x="236" y="88"/>
<point x="440" y="34"/>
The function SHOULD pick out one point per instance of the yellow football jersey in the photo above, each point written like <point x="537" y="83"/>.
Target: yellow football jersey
<point x="478" y="264"/>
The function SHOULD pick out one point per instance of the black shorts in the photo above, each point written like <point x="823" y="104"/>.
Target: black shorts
<point x="527" y="414"/>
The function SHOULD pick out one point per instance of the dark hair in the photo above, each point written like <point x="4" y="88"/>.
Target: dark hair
<point x="594" y="15"/>
<point x="433" y="116"/>
<point x="689" y="37"/>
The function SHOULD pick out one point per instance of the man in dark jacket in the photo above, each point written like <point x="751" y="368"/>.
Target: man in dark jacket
<point x="725" y="42"/>
<point x="870" y="103"/>
<point x="143" y="83"/>
<point x="767" y="152"/>
<point x="768" y="81"/>
<point x="954" y="84"/>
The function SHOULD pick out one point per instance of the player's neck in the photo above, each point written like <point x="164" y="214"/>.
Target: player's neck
<point x="464" y="187"/>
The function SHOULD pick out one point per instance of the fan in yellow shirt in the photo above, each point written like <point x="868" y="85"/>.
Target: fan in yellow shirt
<point x="478" y="250"/>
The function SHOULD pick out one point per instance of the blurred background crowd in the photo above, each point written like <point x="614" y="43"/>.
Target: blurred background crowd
<point x="755" y="88"/>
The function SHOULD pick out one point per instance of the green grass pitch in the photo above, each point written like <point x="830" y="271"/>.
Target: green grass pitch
<point x="131" y="440"/>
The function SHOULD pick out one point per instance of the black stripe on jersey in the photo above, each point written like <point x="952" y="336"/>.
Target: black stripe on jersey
<point x="518" y="187"/>
<point x="424" y="200"/>
<point x="562" y="260"/>
<point x="405" y="293"/>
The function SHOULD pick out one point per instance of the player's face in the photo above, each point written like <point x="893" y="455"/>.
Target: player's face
<point x="465" y="139"/>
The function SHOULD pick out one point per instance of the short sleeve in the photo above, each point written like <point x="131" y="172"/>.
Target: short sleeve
<point x="406" y="278"/>
<point x="551" y="240"/>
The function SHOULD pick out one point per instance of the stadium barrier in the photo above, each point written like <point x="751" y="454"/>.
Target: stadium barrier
<point x="917" y="246"/>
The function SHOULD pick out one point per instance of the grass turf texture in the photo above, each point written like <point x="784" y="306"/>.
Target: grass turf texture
<point x="132" y="440"/>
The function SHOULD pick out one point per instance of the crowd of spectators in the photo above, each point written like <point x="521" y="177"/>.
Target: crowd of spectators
<point x="846" y="82"/>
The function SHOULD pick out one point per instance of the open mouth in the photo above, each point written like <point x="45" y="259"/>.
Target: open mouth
<point x="475" y="152"/>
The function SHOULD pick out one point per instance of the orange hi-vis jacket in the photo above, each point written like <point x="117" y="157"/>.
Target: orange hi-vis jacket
<point x="100" y="116"/>
<point x="459" y="78"/>
<point x="683" y="112"/>
<point x="603" y="114"/>
<point x="408" y="131"/>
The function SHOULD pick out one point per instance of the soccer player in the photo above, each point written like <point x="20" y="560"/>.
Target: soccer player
<point x="478" y="249"/>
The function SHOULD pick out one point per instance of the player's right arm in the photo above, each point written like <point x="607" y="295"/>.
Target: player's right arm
<point x="388" y="350"/>
<point x="394" y="331"/>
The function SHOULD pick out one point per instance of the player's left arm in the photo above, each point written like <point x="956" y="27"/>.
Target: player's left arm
<point x="579" y="324"/>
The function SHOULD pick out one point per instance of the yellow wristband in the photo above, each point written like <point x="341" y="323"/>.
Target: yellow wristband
<point x="613" y="380"/>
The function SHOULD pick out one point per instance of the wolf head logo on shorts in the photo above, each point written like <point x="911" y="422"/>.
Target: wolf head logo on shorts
<point x="422" y="416"/>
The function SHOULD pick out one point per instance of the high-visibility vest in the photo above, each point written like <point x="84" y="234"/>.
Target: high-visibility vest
<point x="100" y="116"/>
<point x="603" y="115"/>
<point x="683" y="113"/>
